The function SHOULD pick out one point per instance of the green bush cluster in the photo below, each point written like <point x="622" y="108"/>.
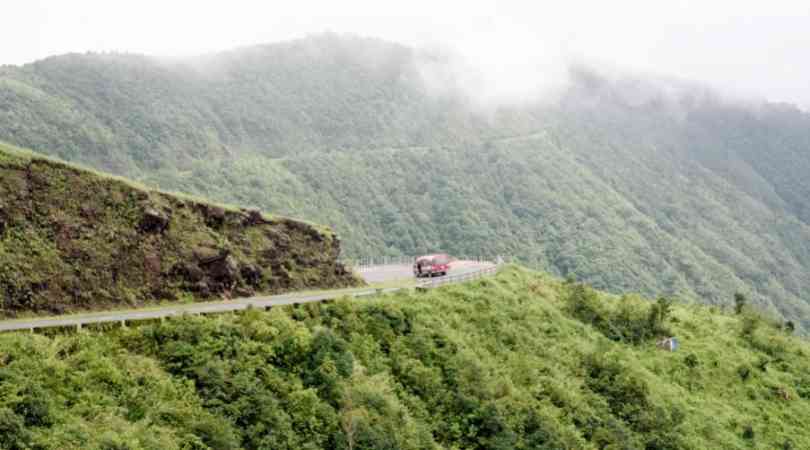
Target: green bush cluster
<point x="87" y="392"/>
<point x="643" y="424"/>
<point x="630" y="319"/>
<point x="499" y="363"/>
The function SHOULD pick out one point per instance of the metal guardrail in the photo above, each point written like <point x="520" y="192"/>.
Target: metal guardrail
<point x="361" y="264"/>
<point x="123" y="317"/>
<point x="429" y="283"/>
<point x="216" y="307"/>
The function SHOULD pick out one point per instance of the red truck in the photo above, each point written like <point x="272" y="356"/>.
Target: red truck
<point x="431" y="265"/>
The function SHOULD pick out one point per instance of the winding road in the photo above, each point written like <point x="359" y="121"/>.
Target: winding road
<point x="373" y="275"/>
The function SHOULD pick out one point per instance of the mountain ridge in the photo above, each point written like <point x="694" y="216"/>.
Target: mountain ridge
<point x="617" y="182"/>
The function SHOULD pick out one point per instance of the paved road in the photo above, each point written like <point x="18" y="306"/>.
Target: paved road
<point x="374" y="274"/>
<point x="381" y="274"/>
<point x="179" y="310"/>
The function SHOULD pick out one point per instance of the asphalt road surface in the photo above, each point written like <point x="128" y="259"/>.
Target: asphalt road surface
<point x="381" y="274"/>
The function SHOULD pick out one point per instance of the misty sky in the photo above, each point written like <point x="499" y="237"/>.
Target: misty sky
<point x="748" y="48"/>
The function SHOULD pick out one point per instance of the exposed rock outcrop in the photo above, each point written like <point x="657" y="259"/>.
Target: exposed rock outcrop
<point x="154" y="221"/>
<point x="253" y="217"/>
<point x="3" y="218"/>
<point x="214" y="216"/>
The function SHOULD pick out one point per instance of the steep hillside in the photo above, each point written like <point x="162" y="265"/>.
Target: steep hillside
<point x="632" y="184"/>
<point x="75" y="240"/>
<point x="131" y="113"/>
<point x="520" y="361"/>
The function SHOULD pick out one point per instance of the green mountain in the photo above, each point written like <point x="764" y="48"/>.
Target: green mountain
<point x="629" y="183"/>
<point x="71" y="239"/>
<point x="519" y="361"/>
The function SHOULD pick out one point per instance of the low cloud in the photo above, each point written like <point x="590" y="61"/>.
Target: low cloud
<point x="491" y="83"/>
<point x="504" y="51"/>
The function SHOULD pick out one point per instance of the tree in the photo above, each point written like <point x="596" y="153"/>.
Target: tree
<point x="748" y="433"/>
<point x="740" y="301"/>
<point x="13" y="434"/>
<point x="659" y="312"/>
<point x="351" y="418"/>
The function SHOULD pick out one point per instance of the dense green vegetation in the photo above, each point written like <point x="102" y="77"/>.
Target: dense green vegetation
<point x="73" y="240"/>
<point x="519" y="361"/>
<point x="633" y="185"/>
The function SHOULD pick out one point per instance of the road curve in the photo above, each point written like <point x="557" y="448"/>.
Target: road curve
<point x="373" y="274"/>
<point x="396" y="272"/>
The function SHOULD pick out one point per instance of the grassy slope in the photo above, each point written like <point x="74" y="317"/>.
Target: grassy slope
<point x="71" y="239"/>
<point x="498" y="363"/>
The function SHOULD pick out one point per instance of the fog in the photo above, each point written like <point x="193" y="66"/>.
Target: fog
<point x="503" y="51"/>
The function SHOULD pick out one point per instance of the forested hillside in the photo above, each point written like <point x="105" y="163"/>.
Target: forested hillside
<point x="632" y="184"/>
<point x="519" y="361"/>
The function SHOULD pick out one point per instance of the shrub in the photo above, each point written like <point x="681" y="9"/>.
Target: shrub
<point x="583" y="303"/>
<point x="748" y="433"/>
<point x="739" y="302"/>
<point x="13" y="435"/>
<point x="633" y="320"/>
<point x="744" y="371"/>
<point x="659" y="312"/>
<point x="750" y="324"/>
<point x="803" y="387"/>
<point x="628" y="398"/>
<point x="329" y="361"/>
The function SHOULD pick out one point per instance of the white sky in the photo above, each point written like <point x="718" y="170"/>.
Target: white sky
<point x="753" y="48"/>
